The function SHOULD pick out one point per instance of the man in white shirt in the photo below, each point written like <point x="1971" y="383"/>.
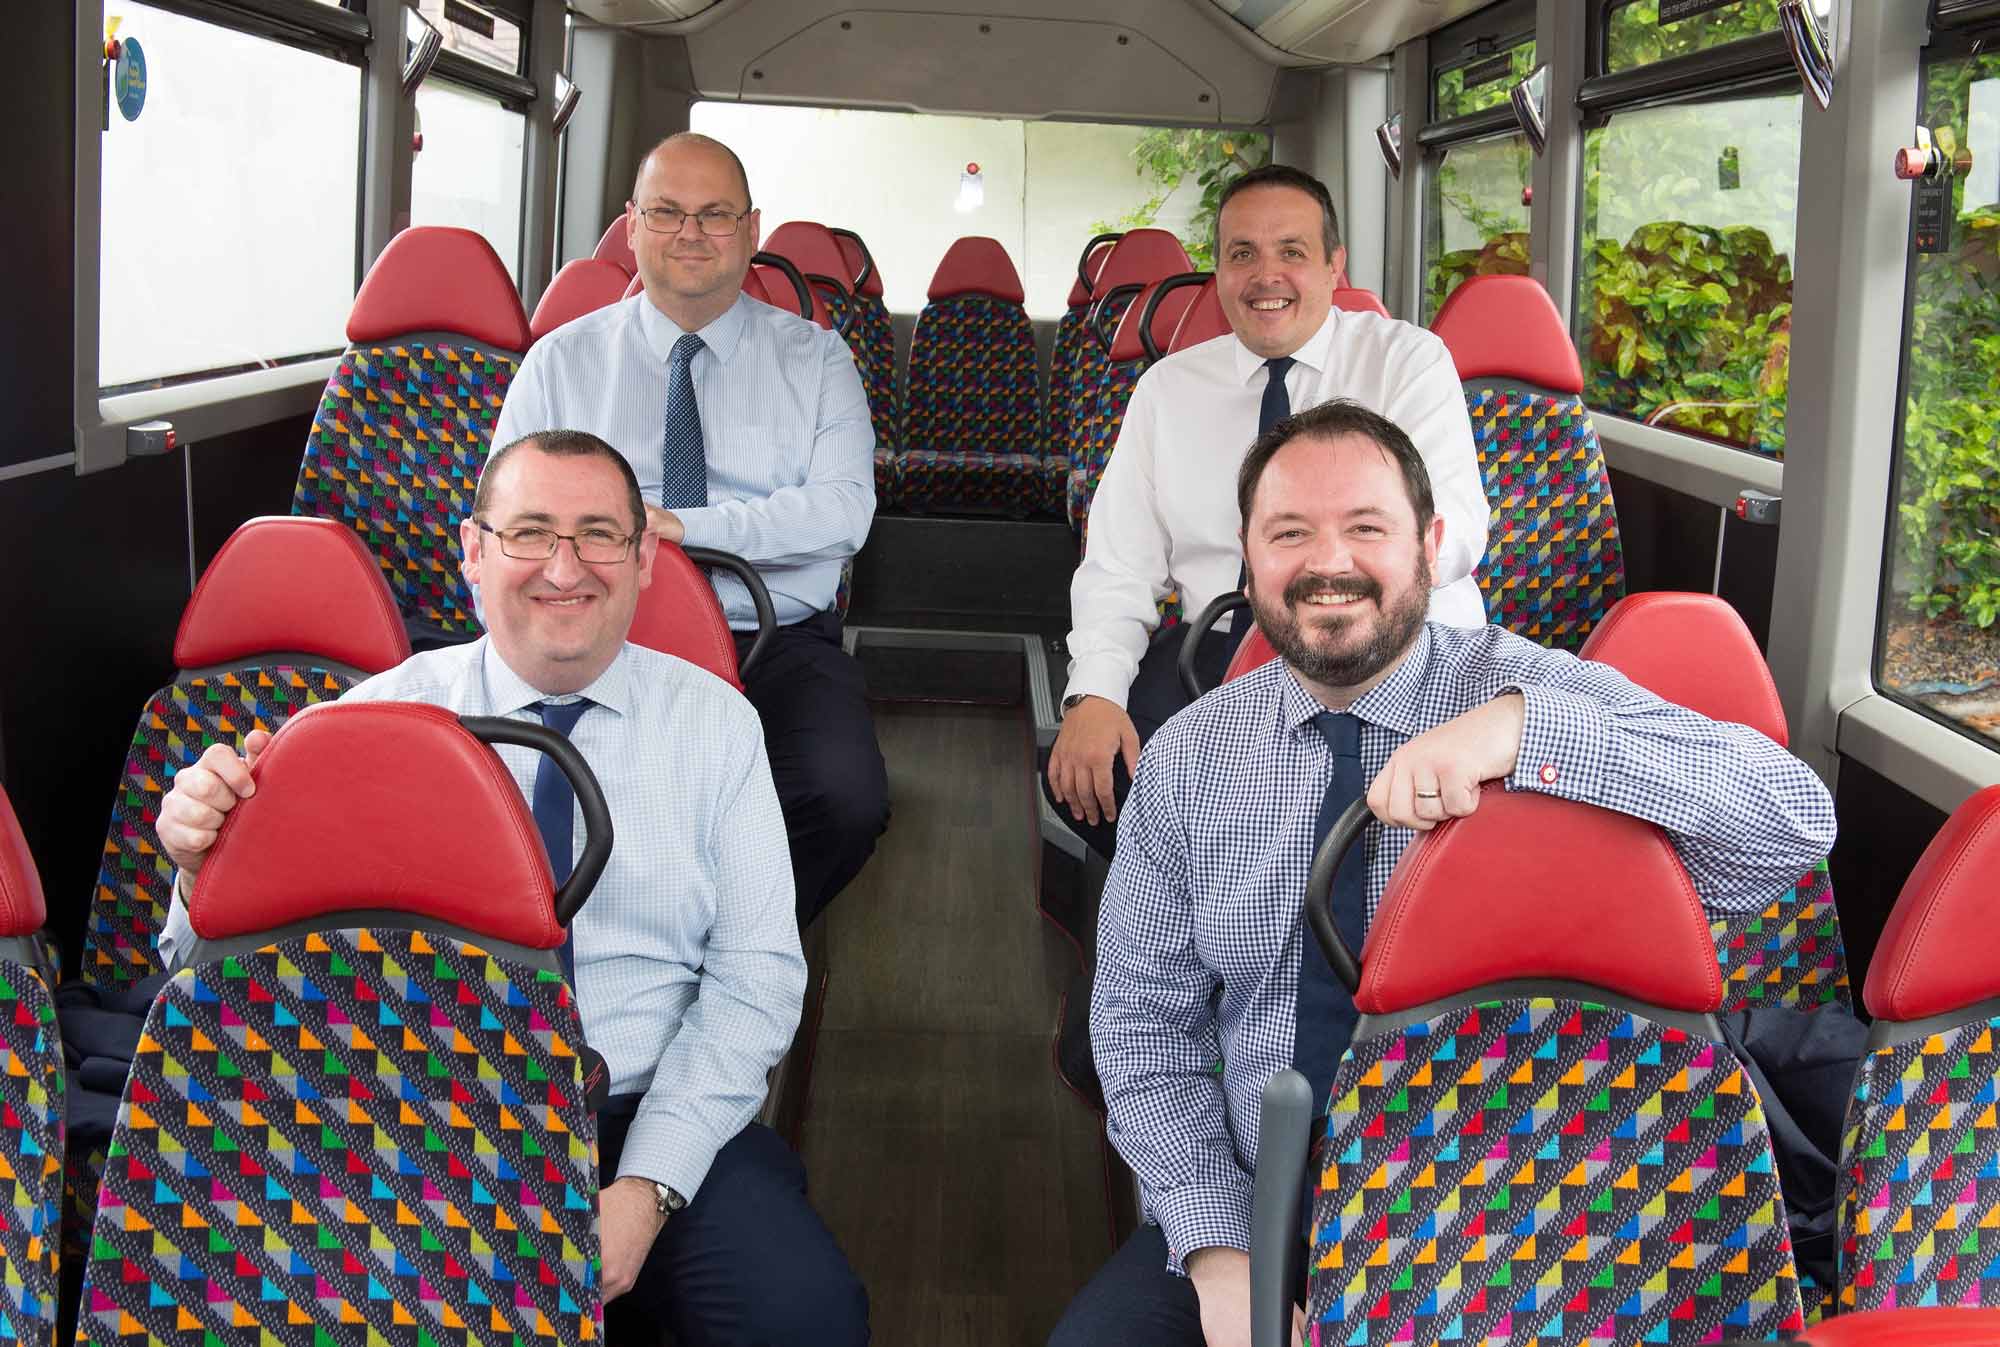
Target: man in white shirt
<point x="1163" y="514"/>
<point x="749" y="431"/>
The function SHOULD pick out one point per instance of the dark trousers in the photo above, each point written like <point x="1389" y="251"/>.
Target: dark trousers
<point x="1155" y="696"/>
<point x="825" y="763"/>
<point x="747" y="1263"/>
<point x="1133" y="1300"/>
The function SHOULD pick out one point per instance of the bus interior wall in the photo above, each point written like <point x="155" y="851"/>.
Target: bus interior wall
<point x="1872" y="859"/>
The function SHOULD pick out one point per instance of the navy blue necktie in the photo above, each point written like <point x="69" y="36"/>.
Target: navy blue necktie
<point x="1277" y="403"/>
<point x="554" y="808"/>
<point x="683" y="462"/>
<point x="1326" y="1013"/>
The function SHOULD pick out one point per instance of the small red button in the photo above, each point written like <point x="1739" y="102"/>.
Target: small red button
<point x="1548" y="774"/>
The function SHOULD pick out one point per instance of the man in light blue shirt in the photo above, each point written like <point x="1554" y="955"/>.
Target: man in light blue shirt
<point x="687" y="964"/>
<point x="749" y="431"/>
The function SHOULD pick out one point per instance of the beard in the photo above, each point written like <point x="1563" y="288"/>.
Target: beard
<point x="1395" y="627"/>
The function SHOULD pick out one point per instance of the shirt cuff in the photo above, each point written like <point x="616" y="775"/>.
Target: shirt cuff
<point x="1100" y="676"/>
<point x="669" y="1150"/>
<point x="1562" y="745"/>
<point x="703" y="526"/>
<point x="1201" y="1218"/>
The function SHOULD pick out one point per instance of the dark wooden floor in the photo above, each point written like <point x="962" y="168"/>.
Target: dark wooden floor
<point x="964" y="1181"/>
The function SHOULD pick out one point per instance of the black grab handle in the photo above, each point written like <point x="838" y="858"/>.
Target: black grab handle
<point x="596" y="813"/>
<point x="1166" y="287"/>
<point x="867" y="258"/>
<point x="1347" y="830"/>
<point x="1101" y="305"/>
<point x="760" y="597"/>
<point x="1083" y="275"/>
<point x="846" y="319"/>
<point x="799" y="285"/>
<point x="1197" y="632"/>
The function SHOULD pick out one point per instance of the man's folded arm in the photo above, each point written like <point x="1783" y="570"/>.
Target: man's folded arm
<point x="1153" y="1033"/>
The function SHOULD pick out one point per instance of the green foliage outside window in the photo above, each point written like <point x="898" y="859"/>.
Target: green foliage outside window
<point x="1455" y="100"/>
<point x="1169" y="157"/>
<point x="1636" y="37"/>
<point x="1475" y="202"/>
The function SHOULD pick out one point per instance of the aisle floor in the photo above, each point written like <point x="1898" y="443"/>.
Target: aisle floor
<point x="963" y="1179"/>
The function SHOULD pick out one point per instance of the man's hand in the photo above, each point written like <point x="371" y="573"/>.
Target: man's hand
<point x="629" y="1221"/>
<point x="192" y="812"/>
<point x="1436" y="775"/>
<point x="664" y="522"/>
<point x="1221" y="1278"/>
<point x="1093" y="732"/>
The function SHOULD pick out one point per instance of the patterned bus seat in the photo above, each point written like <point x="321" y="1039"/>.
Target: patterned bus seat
<point x="1920" y="1157"/>
<point x="581" y="287"/>
<point x="31" y="1101"/>
<point x="1553" y="562"/>
<point x="873" y="339"/>
<point x="1790" y="953"/>
<point x="396" y="447"/>
<point x="1534" y="1138"/>
<point x="972" y="425"/>
<point x="1139" y="258"/>
<point x="356" y="1114"/>
<point x="1065" y="361"/>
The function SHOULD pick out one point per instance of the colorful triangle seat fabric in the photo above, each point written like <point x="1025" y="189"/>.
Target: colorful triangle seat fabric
<point x="1920" y="1174"/>
<point x="367" y="1135"/>
<point x="31" y="1156"/>
<point x="1787" y="954"/>
<point x="1546" y="1171"/>
<point x="972" y="425"/>
<point x="395" y="452"/>
<point x="1553" y="563"/>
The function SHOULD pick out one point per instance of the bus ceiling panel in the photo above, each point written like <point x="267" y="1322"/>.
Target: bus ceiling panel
<point x="1097" y="59"/>
<point x="1346" y="31"/>
<point x="622" y="12"/>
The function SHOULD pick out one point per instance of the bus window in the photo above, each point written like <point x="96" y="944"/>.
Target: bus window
<point x="1684" y="289"/>
<point x="1475" y="215"/>
<point x="229" y="205"/>
<point x="469" y="171"/>
<point x="476" y="32"/>
<point x="1939" y="644"/>
<point x="1480" y="81"/>
<point x="1634" y="35"/>
<point x="903" y="181"/>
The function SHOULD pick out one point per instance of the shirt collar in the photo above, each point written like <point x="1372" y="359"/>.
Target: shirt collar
<point x="720" y="336"/>
<point x="508" y="692"/>
<point x="1395" y="703"/>
<point x="1312" y="355"/>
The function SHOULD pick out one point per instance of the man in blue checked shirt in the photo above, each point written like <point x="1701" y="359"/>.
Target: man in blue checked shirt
<point x="686" y="959"/>
<point x="1202" y="953"/>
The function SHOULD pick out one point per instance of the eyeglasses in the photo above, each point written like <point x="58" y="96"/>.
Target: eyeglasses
<point x="599" y="547"/>
<point x="717" y="224"/>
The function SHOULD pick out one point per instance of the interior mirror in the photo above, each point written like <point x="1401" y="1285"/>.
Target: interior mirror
<point x="1808" y="29"/>
<point x="1389" y="138"/>
<point x="566" y="96"/>
<point x="1531" y="107"/>
<point x="421" y="45"/>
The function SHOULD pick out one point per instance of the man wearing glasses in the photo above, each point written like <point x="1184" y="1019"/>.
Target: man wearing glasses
<point x="686" y="959"/>
<point x="749" y="432"/>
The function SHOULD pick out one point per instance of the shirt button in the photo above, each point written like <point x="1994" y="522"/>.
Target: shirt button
<point x="1548" y="774"/>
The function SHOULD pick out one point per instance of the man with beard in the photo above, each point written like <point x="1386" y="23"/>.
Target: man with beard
<point x="1201" y="946"/>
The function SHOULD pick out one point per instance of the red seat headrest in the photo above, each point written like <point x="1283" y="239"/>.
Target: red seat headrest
<point x="616" y="247"/>
<point x="1125" y="341"/>
<point x="850" y="253"/>
<point x="1940" y="950"/>
<point x="1092" y="266"/>
<point x="637" y="287"/>
<point x="775" y="288"/>
<point x="1531" y="886"/>
<point x="1350" y="299"/>
<point x="1930" y="1326"/>
<point x="22" y="910"/>
<point x="1507" y="327"/>
<point x="433" y="278"/>
<point x="814" y="250"/>
<point x="581" y="287"/>
<point x="1204" y="320"/>
<point x="1254" y="651"/>
<point x="977" y="266"/>
<point x="678" y="614"/>
<point x="289" y="584"/>
<point x="379" y="805"/>
<point x="1140" y="257"/>
<point x="1692" y="650"/>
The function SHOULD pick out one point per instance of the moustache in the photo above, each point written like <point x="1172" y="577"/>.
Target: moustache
<point x="1304" y="587"/>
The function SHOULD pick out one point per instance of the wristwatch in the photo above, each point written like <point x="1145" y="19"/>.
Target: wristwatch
<point x="669" y="1201"/>
<point x="1071" y="700"/>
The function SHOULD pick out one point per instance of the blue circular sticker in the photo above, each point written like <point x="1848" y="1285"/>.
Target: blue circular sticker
<point x="129" y="80"/>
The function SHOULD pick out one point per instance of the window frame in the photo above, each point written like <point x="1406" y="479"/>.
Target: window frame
<point x="450" y="76"/>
